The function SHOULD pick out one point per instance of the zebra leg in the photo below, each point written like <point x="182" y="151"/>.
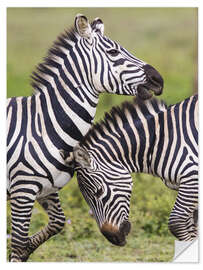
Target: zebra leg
<point x="21" y="211"/>
<point x="183" y="218"/>
<point x="52" y="206"/>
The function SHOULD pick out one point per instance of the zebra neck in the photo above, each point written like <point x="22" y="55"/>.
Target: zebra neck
<point x="67" y="113"/>
<point x="136" y="145"/>
<point x="144" y="151"/>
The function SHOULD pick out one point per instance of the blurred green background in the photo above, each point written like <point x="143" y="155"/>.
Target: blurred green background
<point x="166" y="38"/>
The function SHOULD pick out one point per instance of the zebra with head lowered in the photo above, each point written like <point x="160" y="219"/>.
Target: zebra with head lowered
<point x="140" y="137"/>
<point x="81" y="64"/>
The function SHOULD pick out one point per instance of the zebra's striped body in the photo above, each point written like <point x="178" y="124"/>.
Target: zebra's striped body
<point x="141" y="137"/>
<point x="81" y="64"/>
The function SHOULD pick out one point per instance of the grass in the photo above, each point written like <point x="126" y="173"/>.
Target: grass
<point x="166" y="38"/>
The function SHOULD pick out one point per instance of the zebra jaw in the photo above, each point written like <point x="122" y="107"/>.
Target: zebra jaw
<point x="145" y="91"/>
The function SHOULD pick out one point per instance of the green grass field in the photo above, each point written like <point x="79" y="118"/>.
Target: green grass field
<point x="166" y="38"/>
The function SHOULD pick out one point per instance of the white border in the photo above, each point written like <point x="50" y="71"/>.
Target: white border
<point x="100" y="3"/>
<point x="3" y="133"/>
<point x="74" y="3"/>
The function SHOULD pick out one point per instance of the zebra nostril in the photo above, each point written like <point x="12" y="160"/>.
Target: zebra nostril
<point x="156" y="79"/>
<point x="125" y="227"/>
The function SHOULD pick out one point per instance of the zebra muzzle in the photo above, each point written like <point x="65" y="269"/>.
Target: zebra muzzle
<point x="114" y="234"/>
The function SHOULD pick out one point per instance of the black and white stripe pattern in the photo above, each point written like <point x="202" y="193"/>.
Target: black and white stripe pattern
<point x="81" y="64"/>
<point x="140" y="137"/>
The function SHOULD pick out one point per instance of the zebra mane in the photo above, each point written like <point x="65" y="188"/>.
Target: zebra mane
<point x="64" y="40"/>
<point x="148" y="108"/>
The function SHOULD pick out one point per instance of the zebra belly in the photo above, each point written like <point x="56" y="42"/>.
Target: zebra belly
<point x="45" y="175"/>
<point x="62" y="179"/>
<point x="59" y="183"/>
<point x="171" y="185"/>
<point x="47" y="187"/>
<point x="46" y="191"/>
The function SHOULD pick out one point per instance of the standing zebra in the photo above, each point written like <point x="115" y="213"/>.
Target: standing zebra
<point x="140" y="137"/>
<point x="81" y="64"/>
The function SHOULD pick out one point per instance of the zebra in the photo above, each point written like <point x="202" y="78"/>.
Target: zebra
<point x="81" y="64"/>
<point x="146" y="137"/>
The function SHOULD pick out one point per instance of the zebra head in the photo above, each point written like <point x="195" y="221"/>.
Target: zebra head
<point x="106" y="187"/>
<point x="111" y="67"/>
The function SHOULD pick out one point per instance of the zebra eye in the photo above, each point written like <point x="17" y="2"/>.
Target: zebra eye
<point x="99" y="192"/>
<point x="113" y="52"/>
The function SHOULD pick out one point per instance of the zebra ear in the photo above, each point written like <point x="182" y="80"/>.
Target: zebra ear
<point x="68" y="158"/>
<point x="82" y="157"/>
<point x="98" y="26"/>
<point x="82" y="26"/>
